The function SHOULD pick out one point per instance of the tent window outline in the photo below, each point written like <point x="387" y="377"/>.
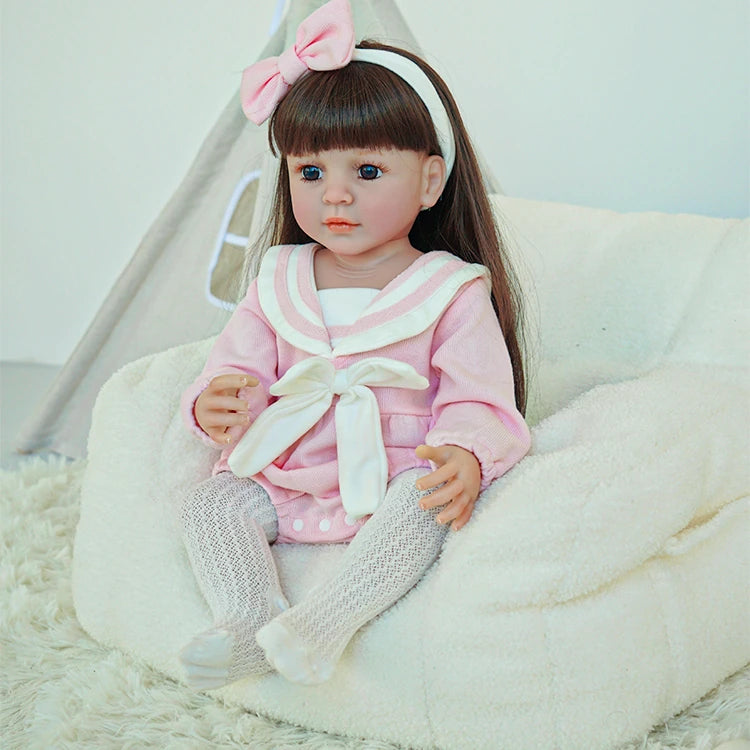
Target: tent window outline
<point x="221" y="268"/>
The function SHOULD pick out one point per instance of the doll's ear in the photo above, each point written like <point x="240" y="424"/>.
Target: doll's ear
<point x="433" y="180"/>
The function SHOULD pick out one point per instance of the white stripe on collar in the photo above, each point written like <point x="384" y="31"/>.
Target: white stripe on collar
<point x="425" y="310"/>
<point x="416" y="320"/>
<point x="272" y="309"/>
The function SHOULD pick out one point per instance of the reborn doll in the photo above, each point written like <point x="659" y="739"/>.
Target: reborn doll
<point x="370" y="384"/>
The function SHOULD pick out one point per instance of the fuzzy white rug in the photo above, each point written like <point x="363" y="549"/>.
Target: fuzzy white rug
<point x="61" y="689"/>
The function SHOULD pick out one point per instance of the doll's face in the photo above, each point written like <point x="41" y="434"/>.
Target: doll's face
<point x="360" y="202"/>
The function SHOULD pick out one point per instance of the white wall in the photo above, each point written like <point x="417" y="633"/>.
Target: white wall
<point x="635" y="105"/>
<point x="630" y="106"/>
<point x="104" y="106"/>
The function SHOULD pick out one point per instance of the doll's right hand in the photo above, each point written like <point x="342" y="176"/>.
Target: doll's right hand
<point x="219" y="407"/>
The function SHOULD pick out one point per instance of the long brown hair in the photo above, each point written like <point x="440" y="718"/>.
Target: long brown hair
<point x="367" y="106"/>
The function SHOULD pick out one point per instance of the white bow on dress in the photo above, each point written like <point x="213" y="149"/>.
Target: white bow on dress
<point x="306" y="392"/>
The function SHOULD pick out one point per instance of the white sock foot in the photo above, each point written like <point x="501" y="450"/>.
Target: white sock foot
<point x="207" y="659"/>
<point x="290" y="657"/>
<point x="222" y="655"/>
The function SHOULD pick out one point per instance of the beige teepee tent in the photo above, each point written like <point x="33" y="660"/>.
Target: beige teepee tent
<point x="177" y="287"/>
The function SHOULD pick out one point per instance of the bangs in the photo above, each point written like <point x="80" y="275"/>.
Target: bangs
<point x="362" y="105"/>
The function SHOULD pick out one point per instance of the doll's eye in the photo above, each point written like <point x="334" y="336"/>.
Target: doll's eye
<point x="369" y="172"/>
<point x="310" y="173"/>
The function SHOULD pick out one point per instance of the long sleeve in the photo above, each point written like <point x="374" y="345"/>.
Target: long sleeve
<point x="474" y="406"/>
<point x="247" y="345"/>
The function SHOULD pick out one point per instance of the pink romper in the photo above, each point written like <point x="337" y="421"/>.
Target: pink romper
<point x="332" y="424"/>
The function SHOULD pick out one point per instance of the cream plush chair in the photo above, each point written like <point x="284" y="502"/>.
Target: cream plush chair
<point x="601" y="585"/>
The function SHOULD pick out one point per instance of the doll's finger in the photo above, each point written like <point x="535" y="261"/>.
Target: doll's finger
<point x="435" y="499"/>
<point x="218" y="434"/>
<point x="221" y="419"/>
<point x="454" y="509"/>
<point x="442" y="496"/>
<point x="434" y="478"/>
<point x="428" y="503"/>
<point x="463" y="519"/>
<point x="225" y="431"/>
<point x="430" y="453"/>
<point x="233" y="382"/>
<point x="450" y="512"/>
<point x="227" y="404"/>
<point x="234" y="418"/>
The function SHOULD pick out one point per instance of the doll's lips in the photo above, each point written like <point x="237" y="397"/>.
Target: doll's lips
<point x="340" y="226"/>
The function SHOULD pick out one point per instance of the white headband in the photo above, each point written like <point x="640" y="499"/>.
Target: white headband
<point x="418" y="80"/>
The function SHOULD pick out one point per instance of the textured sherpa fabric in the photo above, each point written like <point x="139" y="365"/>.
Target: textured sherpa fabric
<point x="61" y="689"/>
<point x="601" y="585"/>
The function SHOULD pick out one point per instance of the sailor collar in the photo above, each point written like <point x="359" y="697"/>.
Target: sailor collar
<point x="405" y="307"/>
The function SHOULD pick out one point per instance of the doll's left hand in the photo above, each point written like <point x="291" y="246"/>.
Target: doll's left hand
<point x="459" y="470"/>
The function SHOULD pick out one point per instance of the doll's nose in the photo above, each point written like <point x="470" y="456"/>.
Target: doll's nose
<point x="337" y="194"/>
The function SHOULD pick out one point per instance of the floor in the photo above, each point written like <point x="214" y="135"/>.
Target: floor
<point x="22" y="384"/>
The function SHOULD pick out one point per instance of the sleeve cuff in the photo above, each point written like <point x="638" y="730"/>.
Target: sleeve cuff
<point x="493" y="463"/>
<point x="187" y="406"/>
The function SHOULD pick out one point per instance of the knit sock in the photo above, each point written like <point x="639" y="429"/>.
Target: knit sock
<point x="228" y="523"/>
<point x="385" y="560"/>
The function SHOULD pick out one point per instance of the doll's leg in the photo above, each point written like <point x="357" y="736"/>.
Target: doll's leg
<point x="228" y="523"/>
<point x="386" y="559"/>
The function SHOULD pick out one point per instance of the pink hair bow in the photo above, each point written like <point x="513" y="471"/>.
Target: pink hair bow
<point x="325" y="41"/>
